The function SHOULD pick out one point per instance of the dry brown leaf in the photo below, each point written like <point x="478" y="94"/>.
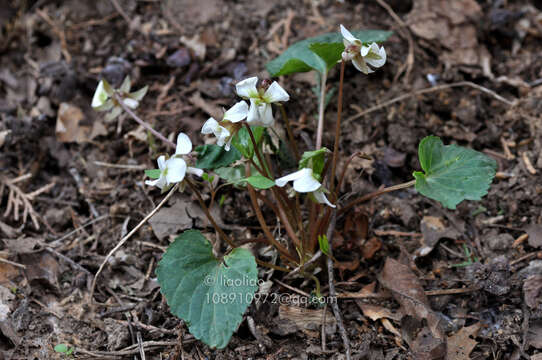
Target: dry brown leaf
<point x="407" y="290"/>
<point x="371" y="247"/>
<point x="461" y="344"/>
<point x="41" y="267"/>
<point x="8" y="273"/>
<point x="532" y="290"/>
<point x="433" y="229"/>
<point x="67" y="124"/>
<point x="375" y="312"/>
<point x="307" y="319"/>
<point x="535" y="235"/>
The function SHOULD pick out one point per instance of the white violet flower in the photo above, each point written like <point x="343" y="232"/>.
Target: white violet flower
<point x="225" y="129"/>
<point x="174" y="169"/>
<point x="362" y="55"/>
<point x="260" y="112"/>
<point x="305" y="182"/>
<point x="104" y="100"/>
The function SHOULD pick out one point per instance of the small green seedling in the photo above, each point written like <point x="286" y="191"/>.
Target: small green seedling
<point x="64" y="349"/>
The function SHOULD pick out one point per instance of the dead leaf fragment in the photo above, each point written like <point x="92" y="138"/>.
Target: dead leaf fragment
<point x="461" y="344"/>
<point x="67" y="124"/>
<point x="433" y="230"/>
<point x="535" y="235"/>
<point x="307" y="319"/>
<point x="41" y="267"/>
<point x="532" y="290"/>
<point x="407" y="290"/>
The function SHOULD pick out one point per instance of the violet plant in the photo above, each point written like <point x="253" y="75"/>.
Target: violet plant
<point x="211" y="293"/>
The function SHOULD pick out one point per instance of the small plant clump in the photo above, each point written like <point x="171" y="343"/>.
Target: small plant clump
<point x="211" y="293"/>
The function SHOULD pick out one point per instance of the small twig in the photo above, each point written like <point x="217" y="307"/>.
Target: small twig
<point x="6" y="261"/>
<point x="323" y="333"/>
<point x="451" y="291"/>
<point x="321" y="109"/>
<point x="375" y="194"/>
<point x="432" y="89"/>
<point x="140" y="346"/>
<point x="124" y="239"/>
<point x="143" y="123"/>
<point x="120" y="166"/>
<point x="121" y="11"/>
<point x="80" y="188"/>
<point x="332" y="291"/>
<point x="302" y="267"/>
<point x="67" y="259"/>
<point x="60" y="239"/>
<point x="294" y="289"/>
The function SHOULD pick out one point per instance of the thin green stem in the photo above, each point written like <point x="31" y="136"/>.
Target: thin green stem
<point x="257" y="151"/>
<point x="320" y="129"/>
<point x="129" y="111"/>
<point x="208" y="214"/>
<point x="337" y="132"/>
<point x="293" y="144"/>
<point x="375" y="194"/>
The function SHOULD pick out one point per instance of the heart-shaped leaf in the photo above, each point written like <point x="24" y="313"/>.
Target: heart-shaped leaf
<point x="319" y="53"/>
<point x="452" y="173"/>
<point x="214" y="156"/>
<point x="209" y="294"/>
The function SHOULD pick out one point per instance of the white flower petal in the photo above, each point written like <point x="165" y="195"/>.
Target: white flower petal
<point x="161" y="162"/>
<point x="131" y="103"/>
<point x="275" y="93"/>
<point x="361" y="65"/>
<point x="266" y="115"/>
<point x="209" y="126"/>
<point x="195" y="171"/>
<point x="184" y="145"/>
<point x="378" y="58"/>
<point x="253" y="116"/>
<point x="159" y="183"/>
<point x="365" y="50"/>
<point x="108" y="105"/>
<point x="176" y="170"/>
<point x="237" y="112"/>
<point x="222" y="134"/>
<point x="125" y="86"/>
<point x="117" y="110"/>
<point x="100" y="96"/>
<point x="247" y="88"/>
<point x="280" y="182"/>
<point x="306" y="183"/>
<point x="227" y="146"/>
<point x="347" y="35"/>
<point x="321" y="198"/>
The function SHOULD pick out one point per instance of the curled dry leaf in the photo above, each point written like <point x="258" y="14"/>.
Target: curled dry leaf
<point x="535" y="235"/>
<point x="408" y="291"/>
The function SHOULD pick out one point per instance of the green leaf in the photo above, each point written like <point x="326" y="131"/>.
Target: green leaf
<point x="214" y="156"/>
<point x="302" y="57"/>
<point x="452" y="173"/>
<point x="209" y="294"/>
<point x="324" y="244"/>
<point x="314" y="160"/>
<point x="61" y="348"/>
<point x="242" y="142"/>
<point x="330" y="53"/>
<point x="234" y="175"/>
<point x="260" y="182"/>
<point x="153" y="174"/>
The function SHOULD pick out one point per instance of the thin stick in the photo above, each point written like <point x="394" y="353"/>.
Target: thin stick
<point x="290" y="132"/>
<point x="257" y="150"/>
<point x="332" y="291"/>
<point x="264" y="226"/>
<point x="209" y="216"/>
<point x="432" y="89"/>
<point x="304" y="266"/>
<point x="121" y="11"/>
<point x="120" y="166"/>
<point x="143" y="123"/>
<point x="337" y="132"/>
<point x="375" y="194"/>
<point x="320" y="129"/>
<point x="129" y="235"/>
<point x="6" y="261"/>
